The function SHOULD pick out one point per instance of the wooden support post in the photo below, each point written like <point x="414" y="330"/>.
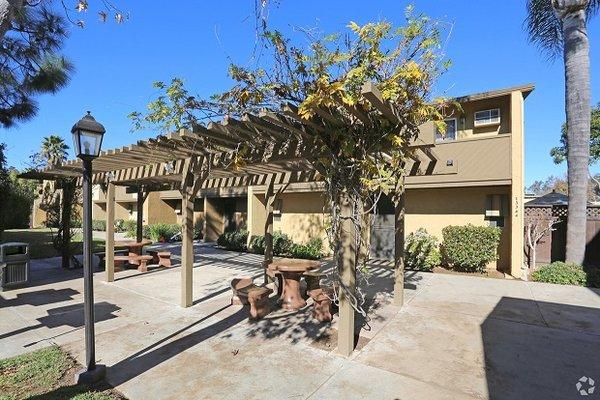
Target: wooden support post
<point x="269" y="199"/>
<point x="399" y="246"/>
<point x="140" y="214"/>
<point x="109" y="259"/>
<point x="187" y="246"/>
<point x="347" y="273"/>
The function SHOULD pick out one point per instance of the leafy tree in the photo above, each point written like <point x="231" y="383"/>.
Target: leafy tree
<point x="559" y="153"/>
<point x="32" y="34"/>
<point x="356" y="157"/>
<point x="59" y="198"/>
<point x="4" y="187"/>
<point x="560" y="27"/>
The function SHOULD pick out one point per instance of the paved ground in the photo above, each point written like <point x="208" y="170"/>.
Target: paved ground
<point x="456" y="338"/>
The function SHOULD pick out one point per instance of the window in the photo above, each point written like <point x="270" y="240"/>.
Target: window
<point x="450" y="133"/>
<point x="487" y="117"/>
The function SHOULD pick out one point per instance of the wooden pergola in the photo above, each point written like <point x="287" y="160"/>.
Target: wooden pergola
<point x="278" y="150"/>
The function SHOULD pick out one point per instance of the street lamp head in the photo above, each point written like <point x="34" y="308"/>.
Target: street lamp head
<point x="87" y="137"/>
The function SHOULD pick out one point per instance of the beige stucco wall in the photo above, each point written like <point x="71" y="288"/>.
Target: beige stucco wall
<point x="157" y="210"/>
<point x="434" y="209"/>
<point x="302" y="216"/>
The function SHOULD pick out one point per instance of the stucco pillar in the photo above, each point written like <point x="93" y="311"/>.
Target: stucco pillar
<point x="517" y="184"/>
<point x="347" y="273"/>
<point x="187" y="246"/>
<point x="109" y="260"/>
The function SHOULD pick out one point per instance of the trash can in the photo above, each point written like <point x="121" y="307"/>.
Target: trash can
<point x="14" y="264"/>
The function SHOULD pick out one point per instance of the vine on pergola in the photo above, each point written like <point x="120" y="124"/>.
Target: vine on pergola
<point x="358" y="155"/>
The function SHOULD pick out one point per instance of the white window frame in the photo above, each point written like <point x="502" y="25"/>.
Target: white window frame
<point x="442" y="139"/>
<point x="489" y="120"/>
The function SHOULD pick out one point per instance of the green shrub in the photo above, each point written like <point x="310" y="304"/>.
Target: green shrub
<point x="257" y="244"/>
<point x="234" y="240"/>
<point x="119" y="225"/>
<point x="561" y="273"/>
<point x="129" y="227"/>
<point x="99" y="225"/>
<point x="198" y="229"/>
<point x="313" y="250"/>
<point x="281" y="244"/>
<point x="422" y="251"/>
<point x="161" y="232"/>
<point x="76" y="223"/>
<point x="470" y="248"/>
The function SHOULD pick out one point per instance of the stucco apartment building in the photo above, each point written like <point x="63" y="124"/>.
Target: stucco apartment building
<point x="478" y="179"/>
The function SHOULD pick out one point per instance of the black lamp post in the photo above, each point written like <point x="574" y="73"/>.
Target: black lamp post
<point x="87" y="140"/>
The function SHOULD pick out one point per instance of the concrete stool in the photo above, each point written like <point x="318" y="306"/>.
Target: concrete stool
<point x="321" y="304"/>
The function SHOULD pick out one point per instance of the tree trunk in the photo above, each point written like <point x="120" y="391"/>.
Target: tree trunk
<point x="577" y="106"/>
<point x="68" y="192"/>
<point x="8" y="10"/>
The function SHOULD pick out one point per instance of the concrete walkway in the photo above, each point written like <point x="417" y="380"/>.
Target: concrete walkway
<point x="457" y="337"/>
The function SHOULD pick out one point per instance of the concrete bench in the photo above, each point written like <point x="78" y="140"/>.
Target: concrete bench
<point x="322" y="303"/>
<point x="245" y="292"/>
<point x="313" y="280"/>
<point x="120" y="262"/>
<point x="162" y="258"/>
<point x="102" y="257"/>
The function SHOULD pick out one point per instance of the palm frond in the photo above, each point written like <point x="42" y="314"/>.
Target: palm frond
<point x="544" y="27"/>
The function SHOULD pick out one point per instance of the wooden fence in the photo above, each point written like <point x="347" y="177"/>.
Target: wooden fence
<point x="553" y="247"/>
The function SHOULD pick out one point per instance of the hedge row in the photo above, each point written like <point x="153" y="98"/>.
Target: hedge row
<point x="282" y="245"/>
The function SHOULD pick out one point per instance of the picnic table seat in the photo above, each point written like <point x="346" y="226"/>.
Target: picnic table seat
<point x="313" y="280"/>
<point x="102" y="257"/>
<point x="162" y="258"/>
<point x="120" y="261"/>
<point x="322" y="303"/>
<point x="246" y="292"/>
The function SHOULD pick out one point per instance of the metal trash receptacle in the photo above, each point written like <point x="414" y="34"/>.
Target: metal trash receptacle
<point x="14" y="264"/>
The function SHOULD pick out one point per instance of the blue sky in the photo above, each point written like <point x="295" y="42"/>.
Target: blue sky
<point x="116" y="64"/>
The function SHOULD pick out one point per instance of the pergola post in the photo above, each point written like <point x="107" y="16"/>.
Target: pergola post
<point x="190" y="185"/>
<point x="347" y="273"/>
<point x="109" y="259"/>
<point x="187" y="246"/>
<point x="140" y="214"/>
<point x="399" y="202"/>
<point x="269" y="199"/>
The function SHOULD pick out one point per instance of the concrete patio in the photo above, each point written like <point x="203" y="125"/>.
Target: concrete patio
<point x="457" y="337"/>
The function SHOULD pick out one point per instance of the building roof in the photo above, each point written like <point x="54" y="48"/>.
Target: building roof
<point x="549" y="199"/>
<point x="525" y="89"/>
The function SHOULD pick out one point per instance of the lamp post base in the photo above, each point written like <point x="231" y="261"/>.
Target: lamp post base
<point x="91" y="376"/>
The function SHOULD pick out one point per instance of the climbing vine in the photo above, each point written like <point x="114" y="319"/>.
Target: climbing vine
<point x="358" y="154"/>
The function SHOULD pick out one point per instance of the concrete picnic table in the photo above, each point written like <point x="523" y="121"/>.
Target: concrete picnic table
<point x="291" y="271"/>
<point x="134" y="249"/>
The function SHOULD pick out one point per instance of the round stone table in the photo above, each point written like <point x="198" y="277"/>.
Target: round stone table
<point x="291" y="271"/>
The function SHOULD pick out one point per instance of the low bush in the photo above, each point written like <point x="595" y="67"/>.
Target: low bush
<point x="257" y="244"/>
<point x="234" y="240"/>
<point x="469" y="247"/>
<point x="129" y="227"/>
<point x="422" y="251"/>
<point x="561" y="273"/>
<point x="119" y="225"/>
<point x="313" y="250"/>
<point x="161" y="232"/>
<point x="76" y="223"/>
<point x="281" y="244"/>
<point x="99" y="225"/>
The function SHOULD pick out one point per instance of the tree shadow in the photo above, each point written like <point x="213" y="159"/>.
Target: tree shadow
<point x="67" y="316"/>
<point x="540" y="360"/>
<point x="164" y="349"/>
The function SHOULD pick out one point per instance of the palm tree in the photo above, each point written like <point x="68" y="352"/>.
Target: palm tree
<point x="54" y="150"/>
<point x="560" y="27"/>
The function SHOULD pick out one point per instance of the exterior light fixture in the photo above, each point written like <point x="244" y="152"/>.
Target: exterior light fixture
<point x="87" y="140"/>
